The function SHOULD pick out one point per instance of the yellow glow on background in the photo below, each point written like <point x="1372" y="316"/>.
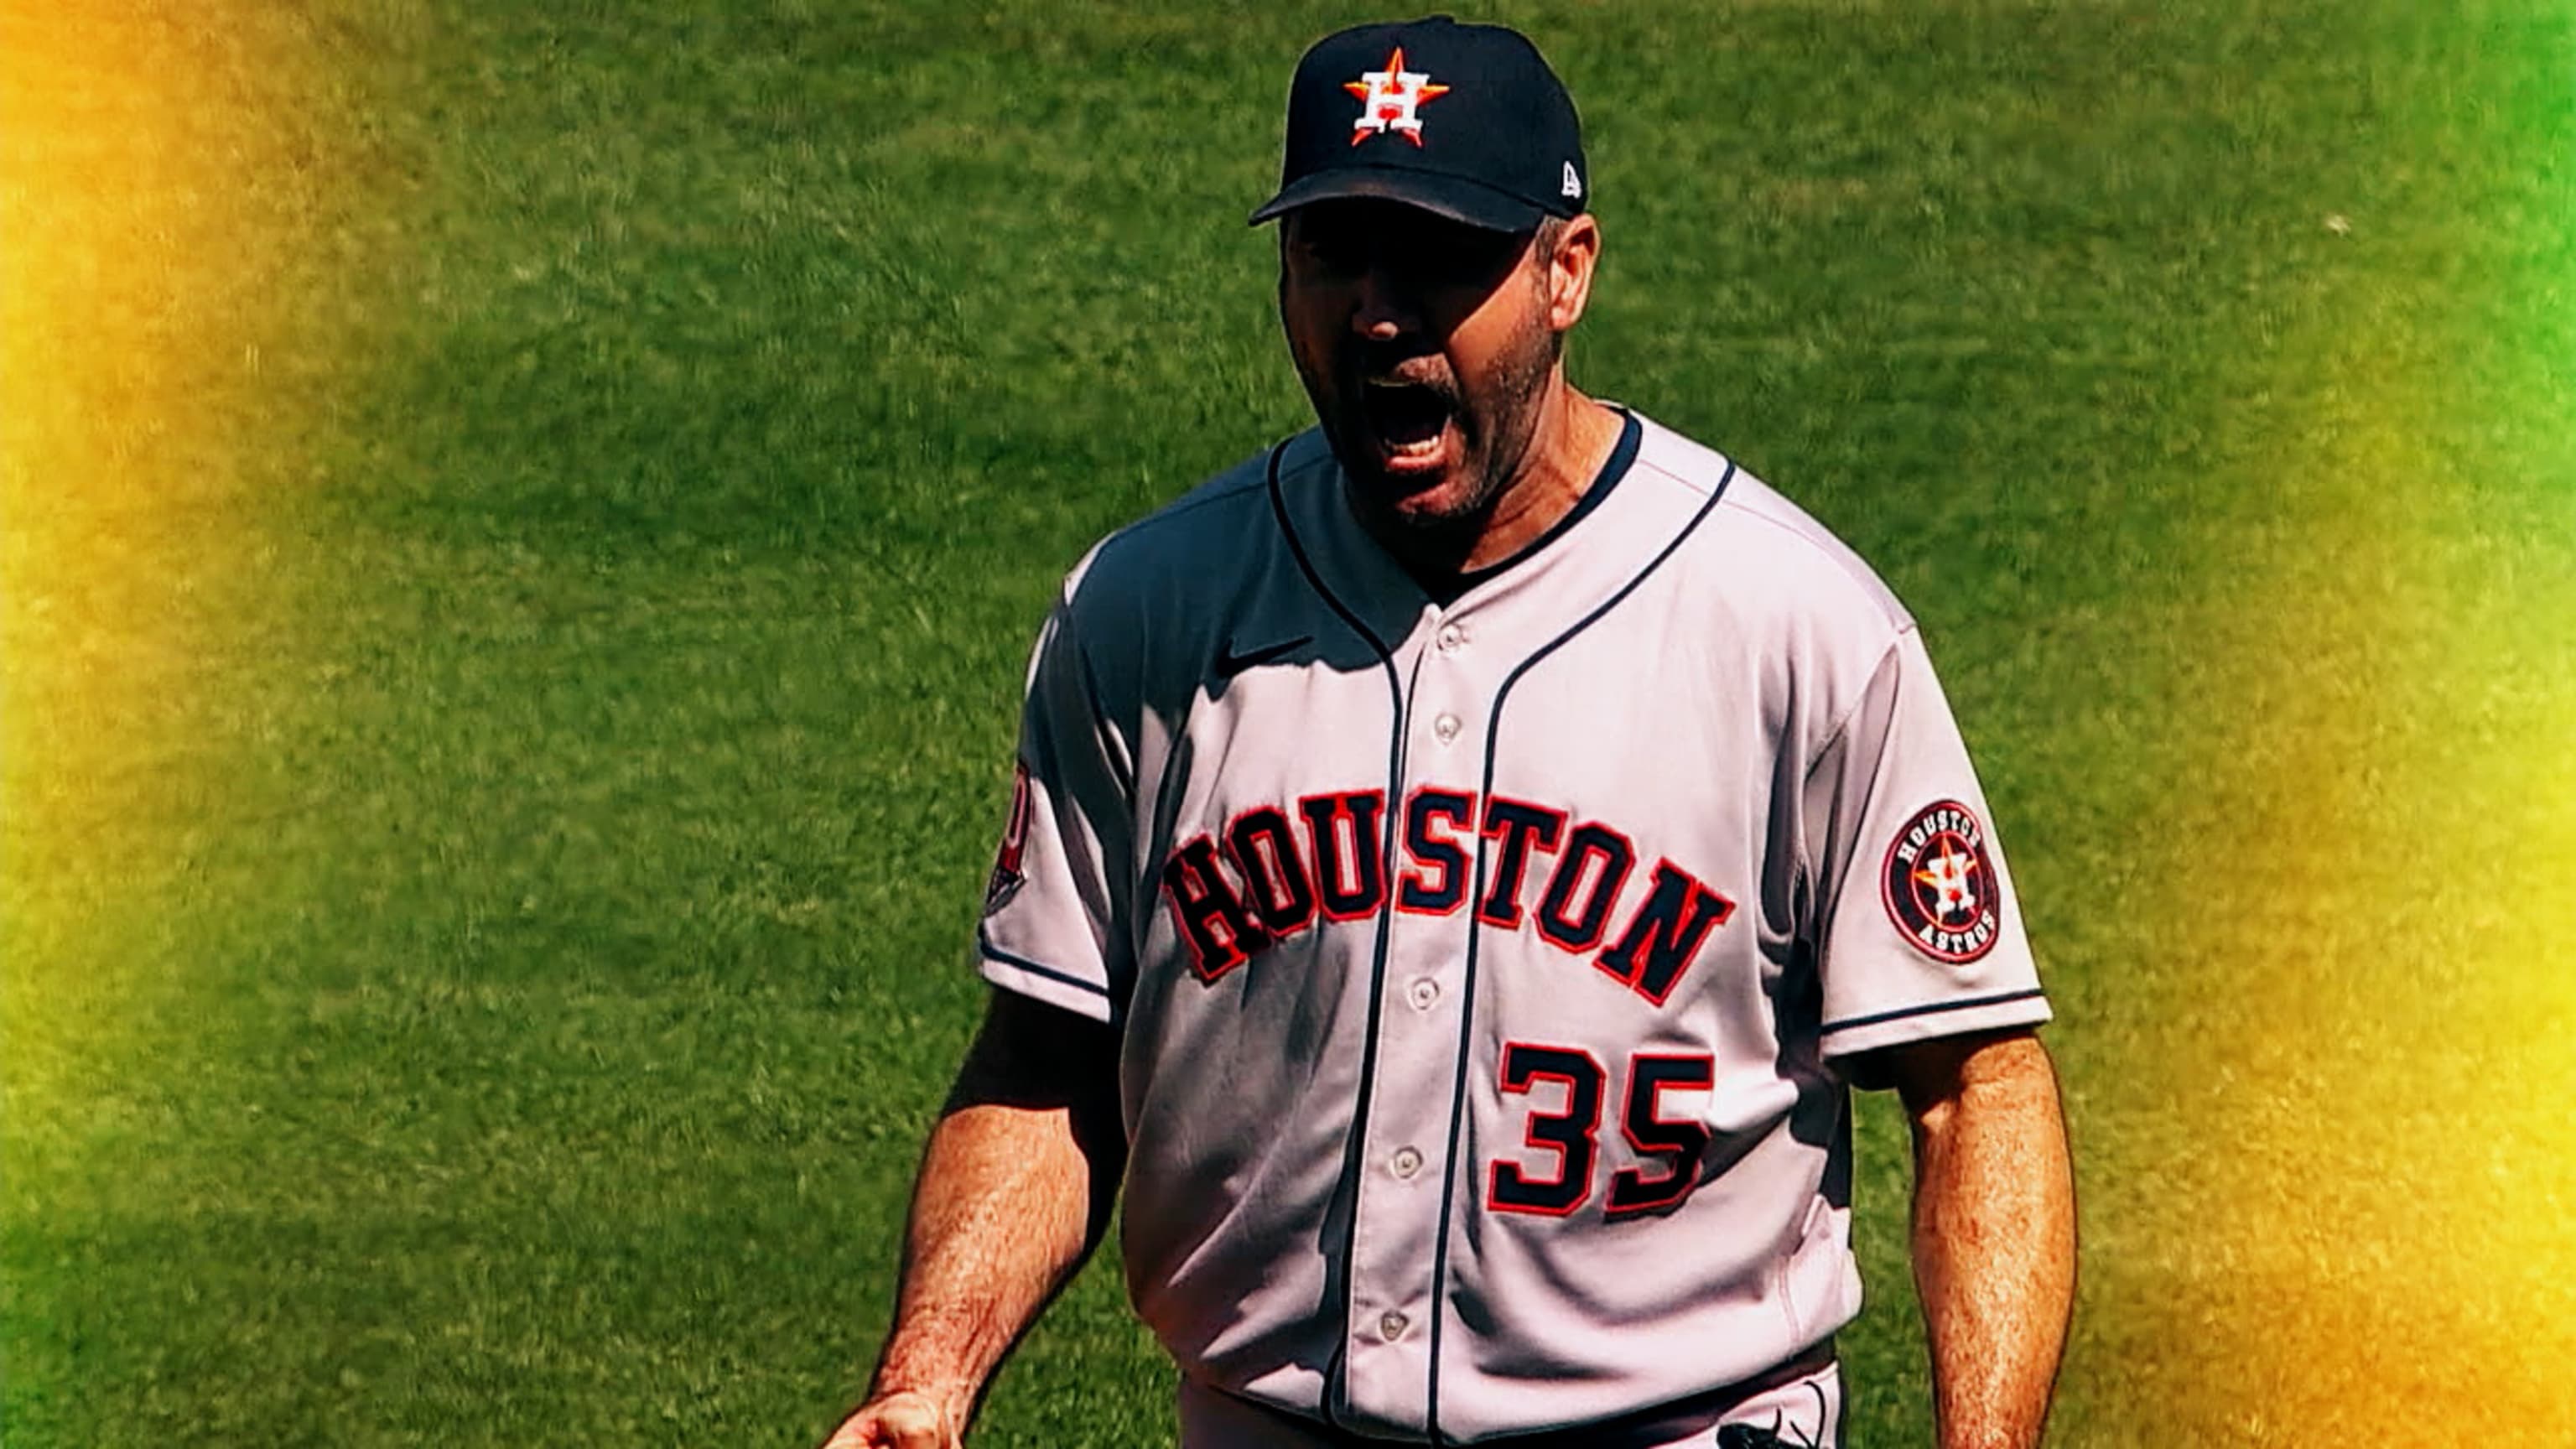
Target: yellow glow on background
<point x="2371" y="868"/>
<point x="2408" y="1155"/>
<point x="155" y="361"/>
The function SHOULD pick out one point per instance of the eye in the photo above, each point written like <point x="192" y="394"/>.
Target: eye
<point x="1335" y="251"/>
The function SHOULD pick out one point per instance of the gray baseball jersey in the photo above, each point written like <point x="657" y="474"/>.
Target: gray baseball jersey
<point x="1483" y="964"/>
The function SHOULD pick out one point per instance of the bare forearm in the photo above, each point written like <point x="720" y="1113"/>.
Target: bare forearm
<point x="1994" y="1245"/>
<point x="1015" y="1187"/>
<point x="999" y="1220"/>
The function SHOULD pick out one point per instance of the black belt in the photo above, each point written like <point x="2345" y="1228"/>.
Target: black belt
<point x="1664" y="1423"/>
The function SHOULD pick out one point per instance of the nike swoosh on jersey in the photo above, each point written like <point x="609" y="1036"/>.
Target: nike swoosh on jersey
<point x="1230" y="664"/>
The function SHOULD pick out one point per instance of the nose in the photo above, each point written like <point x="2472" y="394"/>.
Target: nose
<point x="1387" y="307"/>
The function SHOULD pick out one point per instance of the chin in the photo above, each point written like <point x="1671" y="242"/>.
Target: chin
<point x="1437" y="505"/>
<point x="1443" y="507"/>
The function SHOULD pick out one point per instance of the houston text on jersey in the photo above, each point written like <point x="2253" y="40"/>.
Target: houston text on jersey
<point x="1277" y="868"/>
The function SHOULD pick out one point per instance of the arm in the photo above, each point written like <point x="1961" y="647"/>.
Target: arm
<point x="1014" y="1191"/>
<point x="1994" y="1230"/>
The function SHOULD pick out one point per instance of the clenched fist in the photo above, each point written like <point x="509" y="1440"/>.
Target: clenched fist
<point x="902" y="1420"/>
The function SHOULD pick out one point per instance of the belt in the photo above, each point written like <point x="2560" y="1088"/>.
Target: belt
<point x="1662" y="1424"/>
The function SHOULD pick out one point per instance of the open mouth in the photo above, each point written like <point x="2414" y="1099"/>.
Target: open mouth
<point x="1408" y="419"/>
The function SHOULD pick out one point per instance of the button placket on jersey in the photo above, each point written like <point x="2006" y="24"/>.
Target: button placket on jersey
<point x="1440" y="700"/>
<point x="1398" y="1207"/>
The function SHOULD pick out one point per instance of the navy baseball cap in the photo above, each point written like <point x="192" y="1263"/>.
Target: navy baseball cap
<point x="1465" y="121"/>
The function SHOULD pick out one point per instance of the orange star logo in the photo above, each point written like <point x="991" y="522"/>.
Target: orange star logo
<point x="1949" y="876"/>
<point x="1388" y="99"/>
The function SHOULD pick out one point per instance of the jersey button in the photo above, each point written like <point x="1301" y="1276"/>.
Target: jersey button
<point x="1451" y="638"/>
<point x="1422" y="993"/>
<point x="1406" y="1162"/>
<point x="1392" y="1326"/>
<point x="1446" y="727"/>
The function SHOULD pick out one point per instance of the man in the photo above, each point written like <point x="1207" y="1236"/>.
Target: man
<point x="1459" y="861"/>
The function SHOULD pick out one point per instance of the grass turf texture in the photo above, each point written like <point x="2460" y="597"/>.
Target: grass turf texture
<point x="523" y="525"/>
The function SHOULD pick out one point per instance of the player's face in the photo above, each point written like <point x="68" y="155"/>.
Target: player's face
<point x="1426" y="345"/>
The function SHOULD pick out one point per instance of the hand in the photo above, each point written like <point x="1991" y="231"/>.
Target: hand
<point x="901" y="1420"/>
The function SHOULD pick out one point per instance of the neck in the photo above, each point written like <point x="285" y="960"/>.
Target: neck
<point x="1572" y="439"/>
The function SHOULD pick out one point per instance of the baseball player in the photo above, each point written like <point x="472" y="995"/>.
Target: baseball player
<point x="1459" y="862"/>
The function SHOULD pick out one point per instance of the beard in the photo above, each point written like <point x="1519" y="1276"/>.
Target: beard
<point x="1425" y="451"/>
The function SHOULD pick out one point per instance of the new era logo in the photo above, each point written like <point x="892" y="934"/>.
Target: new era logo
<point x="1573" y="183"/>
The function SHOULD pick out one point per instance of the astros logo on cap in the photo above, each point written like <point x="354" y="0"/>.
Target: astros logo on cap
<point x="1388" y="98"/>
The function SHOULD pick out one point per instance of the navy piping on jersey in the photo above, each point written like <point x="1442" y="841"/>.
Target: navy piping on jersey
<point x="1354" y="1149"/>
<point x="1613" y="468"/>
<point x="1928" y="1009"/>
<point x="1475" y="934"/>
<point x="984" y="946"/>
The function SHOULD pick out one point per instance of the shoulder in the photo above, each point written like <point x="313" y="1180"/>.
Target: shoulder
<point x="1807" y="618"/>
<point x="1764" y="551"/>
<point x="1191" y="543"/>
<point x="1148" y="605"/>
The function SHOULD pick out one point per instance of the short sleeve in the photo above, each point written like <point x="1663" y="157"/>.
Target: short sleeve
<point x="1918" y="932"/>
<point x="1056" y="907"/>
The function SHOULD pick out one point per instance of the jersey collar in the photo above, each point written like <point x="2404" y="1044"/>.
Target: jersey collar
<point x="1627" y="521"/>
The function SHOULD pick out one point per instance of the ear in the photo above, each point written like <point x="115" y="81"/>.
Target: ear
<point x="1569" y="271"/>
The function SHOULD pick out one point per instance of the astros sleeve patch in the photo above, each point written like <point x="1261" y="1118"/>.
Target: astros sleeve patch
<point x="1939" y="884"/>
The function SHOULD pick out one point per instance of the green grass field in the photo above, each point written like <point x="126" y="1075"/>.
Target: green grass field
<point x="524" y="521"/>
